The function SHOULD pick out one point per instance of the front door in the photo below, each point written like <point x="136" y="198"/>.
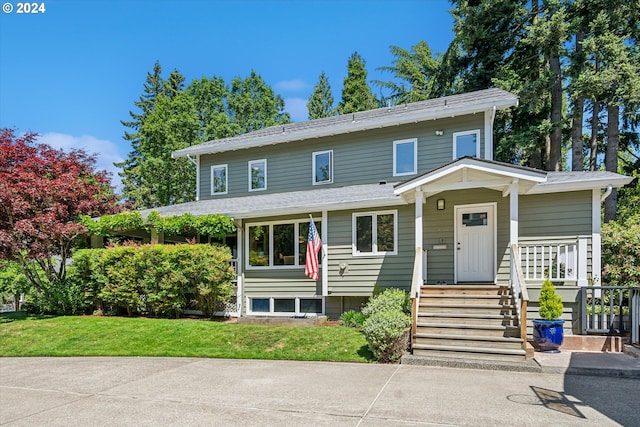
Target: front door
<point x="475" y="243"/>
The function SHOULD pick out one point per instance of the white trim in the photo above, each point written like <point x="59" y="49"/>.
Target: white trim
<point x="313" y="167"/>
<point x="271" y="311"/>
<point x="494" y="208"/>
<point x="250" y="164"/>
<point x="419" y="268"/>
<point x="374" y="233"/>
<point x="296" y="247"/>
<point x="596" y="238"/>
<point x="585" y="184"/>
<point x="414" y="141"/>
<point x="197" y="177"/>
<point x="475" y="132"/>
<point x="226" y="179"/>
<point x="324" y="253"/>
<point x="513" y="213"/>
<point x="489" y="117"/>
<point x="239" y="266"/>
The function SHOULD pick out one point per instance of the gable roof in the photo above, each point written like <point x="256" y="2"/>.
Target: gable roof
<point x="448" y="106"/>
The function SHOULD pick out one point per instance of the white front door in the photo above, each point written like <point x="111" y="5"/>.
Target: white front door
<point x="475" y="243"/>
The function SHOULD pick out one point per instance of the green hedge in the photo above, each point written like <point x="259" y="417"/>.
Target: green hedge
<point x="159" y="280"/>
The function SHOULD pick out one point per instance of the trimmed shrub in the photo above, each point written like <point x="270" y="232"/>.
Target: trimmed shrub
<point x="353" y="319"/>
<point x="387" y="333"/>
<point x="389" y="299"/>
<point x="550" y="302"/>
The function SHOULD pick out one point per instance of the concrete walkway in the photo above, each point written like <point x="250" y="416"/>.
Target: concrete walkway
<point x="100" y="391"/>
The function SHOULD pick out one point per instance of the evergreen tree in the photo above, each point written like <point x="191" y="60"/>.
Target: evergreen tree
<point x="416" y="70"/>
<point x="356" y="93"/>
<point x="320" y="103"/>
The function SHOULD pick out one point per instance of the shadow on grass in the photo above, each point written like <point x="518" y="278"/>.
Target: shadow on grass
<point x="366" y="353"/>
<point x="16" y="316"/>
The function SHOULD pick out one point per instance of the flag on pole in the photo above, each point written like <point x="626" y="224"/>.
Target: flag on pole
<point x="313" y="246"/>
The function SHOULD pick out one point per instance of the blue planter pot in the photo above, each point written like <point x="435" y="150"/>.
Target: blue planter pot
<point x="548" y="335"/>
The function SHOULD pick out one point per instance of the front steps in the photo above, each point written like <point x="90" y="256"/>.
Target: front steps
<point x="476" y="322"/>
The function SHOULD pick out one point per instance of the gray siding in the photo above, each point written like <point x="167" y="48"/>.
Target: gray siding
<point x="558" y="214"/>
<point x="359" y="158"/>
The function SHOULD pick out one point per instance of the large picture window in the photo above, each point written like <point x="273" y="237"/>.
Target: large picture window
<point x="219" y="179"/>
<point x="405" y="157"/>
<point x="323" y="167"/>
<point x="466" y="144"/>
<point x="258" y="175"/>
<point x="278" y="243"/>
<point x="375" y="233"/>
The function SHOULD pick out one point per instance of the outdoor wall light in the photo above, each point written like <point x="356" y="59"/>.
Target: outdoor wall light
<point x="440" y="204"/>
<point x="439" y="132"/>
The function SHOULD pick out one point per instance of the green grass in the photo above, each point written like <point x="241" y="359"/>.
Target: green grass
<point x="28" y="335"/>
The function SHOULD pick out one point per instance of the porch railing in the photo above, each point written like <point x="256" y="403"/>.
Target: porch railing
<point x="634" y="316"/>
<point x="610" y="310"/>
<point x="553" y="259"/>
<point x="520" y="292"/>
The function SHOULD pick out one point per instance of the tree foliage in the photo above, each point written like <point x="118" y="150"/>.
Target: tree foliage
<point x="43" y="191"/>
<point x="320" y="103"/>
<point x="356" y="92"/>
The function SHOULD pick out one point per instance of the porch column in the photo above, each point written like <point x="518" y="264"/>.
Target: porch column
<point x="596" y="240"/>
<point x="417" y="264"/>
<point x="513" y="222"/>
<point x="240" y="258"/>
<point x="325" y="254"/>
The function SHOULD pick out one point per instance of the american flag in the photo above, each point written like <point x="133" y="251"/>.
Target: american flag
<point x="313" y="246"/>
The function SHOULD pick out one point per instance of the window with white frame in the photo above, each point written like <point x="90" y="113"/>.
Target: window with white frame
<point x="288" y="306"/>
<point x="375" y="233"/>
<point x="405" y="157"/>
<point x="278" y="244"/>
<point x="322" y="167"/>
<point x="258" y="175"/>
<point x="219" y="179"/>
<point x="466" y="144"/>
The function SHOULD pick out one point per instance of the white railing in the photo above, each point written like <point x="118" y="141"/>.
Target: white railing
<point x="520" y="292"/>
<point x="554" y="259"/>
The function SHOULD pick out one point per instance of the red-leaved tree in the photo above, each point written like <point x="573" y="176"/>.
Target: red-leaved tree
<point x="42" y="192"/>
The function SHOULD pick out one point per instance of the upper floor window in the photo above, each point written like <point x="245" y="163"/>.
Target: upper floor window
<point x="219" y="179"/>
<point x="405" y="157"/>
<point x="258" y="175"/>
<point x="375" y="233"/>
<point x="466" y="144"/>
<point x="323" y="167"/>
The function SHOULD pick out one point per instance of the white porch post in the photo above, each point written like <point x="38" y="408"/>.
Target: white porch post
<point x="417" y="265"/>
<point x="325" y="254"/>
<point x="239" y="266"/>
<point x="596" y="240"/>
<point x="513" y="216"/>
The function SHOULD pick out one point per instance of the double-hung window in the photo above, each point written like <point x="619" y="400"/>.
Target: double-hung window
<point x="219" y="179"/>
<point x="466" y="144"/>
<point x="322" y="167"/>
<point x="405" y="157"/>
<point x="276" y="244"/>
<point x="258" y="175"/>
<point x="375" y="233"/>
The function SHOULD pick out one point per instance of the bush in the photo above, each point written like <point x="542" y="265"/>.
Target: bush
<point x="550" y="302"/>
<point x="621" y="253"/>
<point x="353" y="319"/>
<point x="58" y="297"/>
<point x="389" y="299"/>
<point x="387" y="333"/>
<point x="155" y="279"/>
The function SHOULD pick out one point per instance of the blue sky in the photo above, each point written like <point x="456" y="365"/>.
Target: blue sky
<point x="73" y="72"/>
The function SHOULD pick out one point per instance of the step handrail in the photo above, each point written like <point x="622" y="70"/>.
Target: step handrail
<point x="519" y="288"/>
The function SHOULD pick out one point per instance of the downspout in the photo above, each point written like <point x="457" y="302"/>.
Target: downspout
<point x="488" y="133"/>
<point x="606" y="193"/>
<point x="196" y="163"/>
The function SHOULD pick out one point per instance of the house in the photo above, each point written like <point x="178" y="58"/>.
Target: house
<point x="403" y="197"/>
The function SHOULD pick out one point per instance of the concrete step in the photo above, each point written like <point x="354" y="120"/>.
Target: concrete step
<point x="468" y="353"/>
<point x="467" y="329"/>
<point x="468" y="318"/>
<point x="450" y="340"/>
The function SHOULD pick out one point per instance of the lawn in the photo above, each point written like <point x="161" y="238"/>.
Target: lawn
<point x="27" y="335"/>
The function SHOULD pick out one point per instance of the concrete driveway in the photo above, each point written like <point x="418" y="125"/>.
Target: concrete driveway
<point x="105" y="391"/>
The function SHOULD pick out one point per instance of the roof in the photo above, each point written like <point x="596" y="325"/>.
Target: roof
<point x="448" y="106"/>
<point x="294" y="202"/>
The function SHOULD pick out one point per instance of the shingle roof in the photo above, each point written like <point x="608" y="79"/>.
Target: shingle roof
<point x="448" y="106"/>
<point x="294" y="202"/>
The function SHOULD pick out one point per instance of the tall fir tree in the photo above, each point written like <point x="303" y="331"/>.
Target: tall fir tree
<point x="356" y="93"/>
<point x="320" y="104"/>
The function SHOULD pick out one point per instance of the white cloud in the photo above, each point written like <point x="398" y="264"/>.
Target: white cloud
<point x="297" y="109"/>
<point x="291" y="85"/>
<point x="107" y="153"/>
